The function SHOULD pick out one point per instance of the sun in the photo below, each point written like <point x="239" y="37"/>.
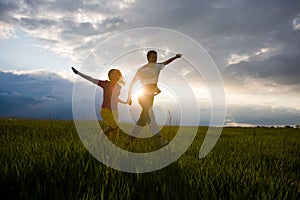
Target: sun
<point x="137" y="92"/>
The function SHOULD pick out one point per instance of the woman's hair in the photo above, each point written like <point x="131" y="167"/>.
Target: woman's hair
<point x="121" y="80"/>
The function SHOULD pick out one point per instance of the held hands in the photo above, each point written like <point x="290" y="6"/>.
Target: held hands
<point x="129" y="101"/>
<point x="74" y="70"/>
<point x="123" y="102"/>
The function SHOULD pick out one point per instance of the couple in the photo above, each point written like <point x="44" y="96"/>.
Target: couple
<point x="148" y="77"/>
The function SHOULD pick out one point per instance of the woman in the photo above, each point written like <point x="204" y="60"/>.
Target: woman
<point x="111" y="92"/>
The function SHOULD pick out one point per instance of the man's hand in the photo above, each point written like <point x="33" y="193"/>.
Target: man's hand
<point x="74" y="70"/>
<point x="171" y="59"/>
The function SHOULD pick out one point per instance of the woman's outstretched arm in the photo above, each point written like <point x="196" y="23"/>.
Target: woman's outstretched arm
<point x="96" y="81"/>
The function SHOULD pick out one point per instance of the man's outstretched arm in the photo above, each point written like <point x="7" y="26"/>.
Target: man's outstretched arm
<point x="96" y="81"/>
<point x="171" y="59"/>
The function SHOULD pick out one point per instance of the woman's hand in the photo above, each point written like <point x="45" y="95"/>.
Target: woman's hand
<point x="74" y="70"/>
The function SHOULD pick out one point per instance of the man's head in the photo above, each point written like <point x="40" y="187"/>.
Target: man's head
<point x="152" y="56"/>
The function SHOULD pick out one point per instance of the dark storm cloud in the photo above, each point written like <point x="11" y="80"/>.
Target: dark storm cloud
<point x="211" y="18"/>
<point x="32" y="24"/>
<point x="224" y="28"/>
<point x="70" y="24"/>
<point x="66" y="5"/>
<point x="283" y="69"/>
<point x="35" y="95"/>
<point x="39" y="95"/>
<point x="86" y="28"/>
<point x="233" y="27"/>
<point x="280" y="66"/>
<point x="6" y="8"/>
<point x="31" y="10"/>
<point x="257" y="115"/>
<point x="74" y="28"/>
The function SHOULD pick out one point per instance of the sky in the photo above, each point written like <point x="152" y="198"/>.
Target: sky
<point x="255" y="45"/>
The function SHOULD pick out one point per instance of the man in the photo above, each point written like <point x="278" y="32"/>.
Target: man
<point x="148" y="77"/>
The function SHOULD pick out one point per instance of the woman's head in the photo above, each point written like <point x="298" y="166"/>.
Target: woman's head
<point x="115" y="76"/>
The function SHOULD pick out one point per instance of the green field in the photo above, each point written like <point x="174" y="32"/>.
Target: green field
<point x="43" y="159"/>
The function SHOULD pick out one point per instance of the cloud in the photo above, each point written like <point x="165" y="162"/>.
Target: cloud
<point x="6" y="31"/>
<point x="252" y="40"/>
<point x="225" y="28"/>
<point x="6" y="8"/>
<point x="65" y="27"/>
<point x="261" y="115"/>
<point x="35" y="95"/>
<point x="254" y="44"/>
<point x="280" y="69"/>
<point x="296" y="22"/>
<point x="41" y="94"/>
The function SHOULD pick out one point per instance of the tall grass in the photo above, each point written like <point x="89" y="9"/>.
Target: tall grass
<point x="43" y="159"/>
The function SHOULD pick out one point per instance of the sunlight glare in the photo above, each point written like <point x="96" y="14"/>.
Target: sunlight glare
<point x="137" y="92"/>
